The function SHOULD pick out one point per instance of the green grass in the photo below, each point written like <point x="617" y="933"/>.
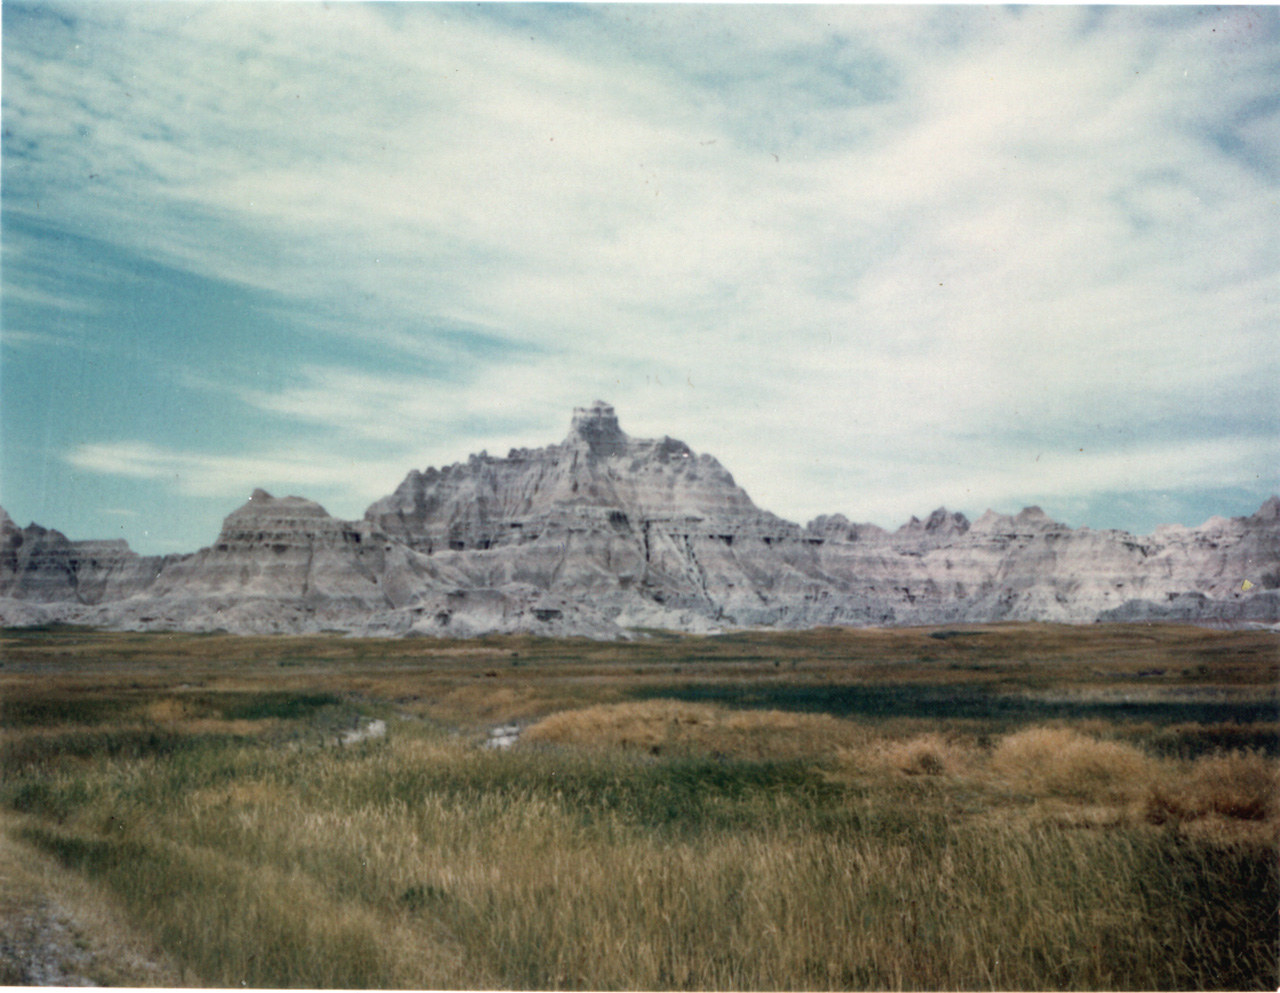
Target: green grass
<point x="961" y="703"/>
<point x="542" y="870"/>
<point x="278" y="706"/>
<point x="924" y="846"/>
<point x="48" y="711"/>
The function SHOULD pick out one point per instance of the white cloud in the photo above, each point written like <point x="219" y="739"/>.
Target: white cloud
<point x="837" y="237"/>
<point x="33" y="296"/>
<point x="21" y="338"/>
<point x="200" y="474"/>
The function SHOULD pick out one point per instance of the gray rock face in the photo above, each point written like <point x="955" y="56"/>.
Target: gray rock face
<point x="604" y="533"/>
<point x="40" y="565"/>
<point x="1028" y="567"/>
<point x="287" y="548"/>
<point x="598" y="477"/>
<point x="636" y="525"/>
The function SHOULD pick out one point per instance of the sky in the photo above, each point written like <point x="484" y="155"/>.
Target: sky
<point x="873" y="259"/>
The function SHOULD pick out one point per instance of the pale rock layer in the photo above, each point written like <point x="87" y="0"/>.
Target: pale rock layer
<point x="604" y="534"/>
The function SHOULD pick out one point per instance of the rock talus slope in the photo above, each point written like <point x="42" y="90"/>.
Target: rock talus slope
<point x="604" y="533"/>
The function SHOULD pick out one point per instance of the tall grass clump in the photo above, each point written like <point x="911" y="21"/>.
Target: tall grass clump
<point x="233" y="921"/>
<point x="1064" y="762"/>
<point x="658" y="726"/>
<point x="929" y="754"/>
<point x="1240" y="785"/>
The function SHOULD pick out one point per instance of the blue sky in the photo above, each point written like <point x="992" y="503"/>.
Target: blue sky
<point x="874" y="259"/>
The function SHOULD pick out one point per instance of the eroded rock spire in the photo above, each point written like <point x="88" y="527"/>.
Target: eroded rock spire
<point x="597" y="427"/>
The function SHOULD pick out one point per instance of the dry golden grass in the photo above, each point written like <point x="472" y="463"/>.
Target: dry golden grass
<point x="899" y="847"/>
<point x="929" y="754"/>
<point x="1059" y="761"/>
<point x="985" y="654"/>
<point x="429" y="863"/>
<point x="1220" y="796"/>
<point x="667" y="726"/>
<point x="55" y="917"/>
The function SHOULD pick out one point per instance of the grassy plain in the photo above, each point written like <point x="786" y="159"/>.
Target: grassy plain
<point x="1010" y="807"/>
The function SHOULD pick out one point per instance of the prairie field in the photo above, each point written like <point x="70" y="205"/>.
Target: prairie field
<point x="996" y="807"/>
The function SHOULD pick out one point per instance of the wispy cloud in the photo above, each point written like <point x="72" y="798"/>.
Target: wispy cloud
<point x="200" y="474"/>
<point x="19" y="338"/>
<point x="825" y="243"/>
<point x="33" y="297"/>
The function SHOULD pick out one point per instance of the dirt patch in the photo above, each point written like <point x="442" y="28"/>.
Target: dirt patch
<point x="59" y="930"/>
<point x="41" y="945"/>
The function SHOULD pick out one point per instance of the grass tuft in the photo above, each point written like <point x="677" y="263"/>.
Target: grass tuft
<point x="672" y="726"/>
<point x="1238" y="785"/>
<point x="1062" y="761"/>
<point x="929" y="754"/>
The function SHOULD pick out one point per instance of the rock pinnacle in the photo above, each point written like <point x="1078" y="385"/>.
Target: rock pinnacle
<point x="597" y="426"/>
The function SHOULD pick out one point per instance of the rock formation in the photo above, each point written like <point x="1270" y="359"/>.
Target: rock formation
<point x="643" y="528"/>
<point x="40" y="565"/>
<point x="603" y="534"/>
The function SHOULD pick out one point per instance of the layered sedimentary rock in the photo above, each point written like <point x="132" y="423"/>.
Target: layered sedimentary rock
<point x="40" y="565"/>
<point x="281" y="565"/>
<point x="640" y="526"/>
<point x="603" y="534"/>
<point x="1028" y="567"/>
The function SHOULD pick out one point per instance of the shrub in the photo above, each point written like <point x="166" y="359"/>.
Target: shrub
<point x="927" y="755"/>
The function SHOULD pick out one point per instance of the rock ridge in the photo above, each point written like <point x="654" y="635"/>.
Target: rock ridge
<point x="602" y="534"/>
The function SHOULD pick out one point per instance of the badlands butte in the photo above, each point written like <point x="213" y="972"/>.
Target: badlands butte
<point x="603" y="535"/>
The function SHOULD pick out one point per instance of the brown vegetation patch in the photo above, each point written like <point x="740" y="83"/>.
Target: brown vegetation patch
<point x="1062" y="761"/>
<point x="659" y="726"/>
<point x="1237" y="785"/>
<point x="930" y="754"/>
